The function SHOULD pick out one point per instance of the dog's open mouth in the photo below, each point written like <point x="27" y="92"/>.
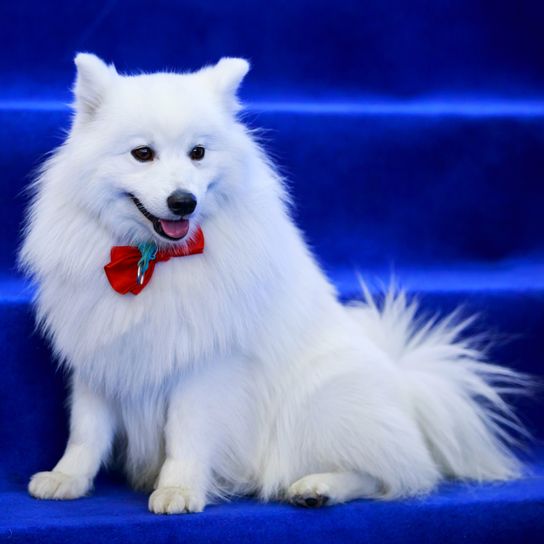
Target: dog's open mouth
<point x="171" y="230"/>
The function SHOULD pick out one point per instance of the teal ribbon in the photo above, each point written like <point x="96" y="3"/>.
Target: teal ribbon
<point x="148" y="252"/>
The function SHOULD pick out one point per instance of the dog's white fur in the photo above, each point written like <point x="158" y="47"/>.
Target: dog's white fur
<point x="234" y="371"/>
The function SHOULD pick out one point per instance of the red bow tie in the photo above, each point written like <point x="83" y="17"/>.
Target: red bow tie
<point x="123" y="273"/>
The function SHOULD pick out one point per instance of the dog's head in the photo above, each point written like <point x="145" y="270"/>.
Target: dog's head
<point x="155" y="153"/>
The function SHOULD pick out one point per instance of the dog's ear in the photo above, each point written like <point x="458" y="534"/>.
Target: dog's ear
<point x="226" y="76"/>
<point x="93" y="79"/>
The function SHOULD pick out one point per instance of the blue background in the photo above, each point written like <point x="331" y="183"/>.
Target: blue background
<point x="411" y="134"/>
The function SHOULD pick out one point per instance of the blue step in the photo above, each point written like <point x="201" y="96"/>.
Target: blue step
<point x="512" y="314"/>
<point x="33" y="424"/>
<point x="374" y="184"/>
<point x="456" y="513"/>
<point x="307" y="48"/>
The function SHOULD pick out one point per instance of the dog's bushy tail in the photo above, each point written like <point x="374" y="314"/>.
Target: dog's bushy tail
<point x="457" y="396"/>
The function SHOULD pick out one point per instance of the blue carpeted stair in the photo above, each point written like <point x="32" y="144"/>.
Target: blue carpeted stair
<point x="412" y="135"/>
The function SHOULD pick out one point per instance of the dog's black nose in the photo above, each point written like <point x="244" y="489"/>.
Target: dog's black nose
<point x="181" y="203"/>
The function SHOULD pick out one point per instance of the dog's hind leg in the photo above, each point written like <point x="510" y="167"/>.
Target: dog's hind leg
<point x="355" y="437"/>
<point x="331" y="488"/>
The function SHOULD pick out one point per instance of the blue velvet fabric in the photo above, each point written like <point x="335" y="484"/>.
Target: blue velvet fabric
<point x="303" y="48"/>
<point x="370" y="189"/>
<point x="457" y="513"/>
<point x="411" y="135"/>
<point x="33" y="423"/>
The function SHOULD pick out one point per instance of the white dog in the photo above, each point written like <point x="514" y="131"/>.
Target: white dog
<point x="232" y="370"/>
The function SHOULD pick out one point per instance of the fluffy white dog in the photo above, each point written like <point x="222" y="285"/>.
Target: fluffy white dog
<point x="235" y="370"/>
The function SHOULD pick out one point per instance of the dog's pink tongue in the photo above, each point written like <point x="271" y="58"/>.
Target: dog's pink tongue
<point x="175" y="229"/>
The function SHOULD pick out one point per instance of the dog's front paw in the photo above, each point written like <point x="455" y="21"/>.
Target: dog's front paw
<point x="59" y="486"/>
<point x="175" y="500"/>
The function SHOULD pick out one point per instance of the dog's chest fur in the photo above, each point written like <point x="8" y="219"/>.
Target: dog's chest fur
<point x="194" y="309"/>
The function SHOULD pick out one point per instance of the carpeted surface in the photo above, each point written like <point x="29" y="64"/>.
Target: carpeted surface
<point x="506" y="513"/>
<point x="411" y="135"/>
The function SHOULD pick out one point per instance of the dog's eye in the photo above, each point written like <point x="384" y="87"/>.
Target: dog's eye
<point x="143" y="154"/>
<point x="197" y="153"/>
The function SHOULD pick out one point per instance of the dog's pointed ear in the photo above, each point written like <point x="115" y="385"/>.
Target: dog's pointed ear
<point x="226" y="76"/>
<point x="94" y="77"/>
